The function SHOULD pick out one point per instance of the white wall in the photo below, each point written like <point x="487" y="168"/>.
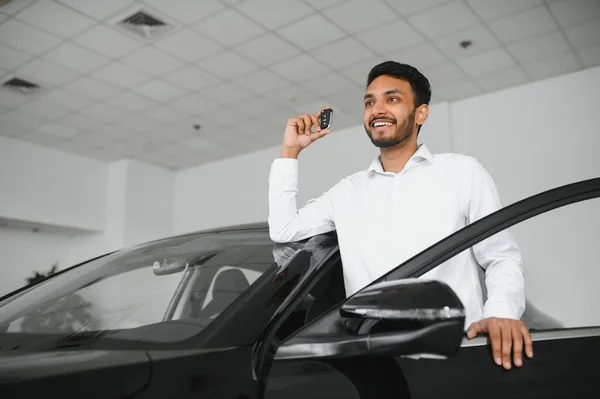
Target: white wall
<point x="51" y="187"/>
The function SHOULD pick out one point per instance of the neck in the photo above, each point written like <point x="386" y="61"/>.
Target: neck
<point x="393" y="159"/>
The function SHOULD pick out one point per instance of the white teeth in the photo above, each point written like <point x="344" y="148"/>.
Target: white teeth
<point x="378" y="124"/>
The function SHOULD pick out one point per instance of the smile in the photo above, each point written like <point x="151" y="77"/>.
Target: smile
<point x="382" y="123"/>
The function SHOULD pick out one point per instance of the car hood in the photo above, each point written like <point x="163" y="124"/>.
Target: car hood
<point x="79" y="373"/>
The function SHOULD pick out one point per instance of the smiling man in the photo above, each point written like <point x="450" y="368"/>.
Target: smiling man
<point x="405" y="201"/>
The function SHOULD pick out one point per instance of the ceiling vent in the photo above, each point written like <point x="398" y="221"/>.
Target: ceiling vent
<point x="21" y="85"/>
<point x="145" y="25"/>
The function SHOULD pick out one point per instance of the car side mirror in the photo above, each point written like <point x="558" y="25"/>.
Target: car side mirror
<point x="393" y="318"/>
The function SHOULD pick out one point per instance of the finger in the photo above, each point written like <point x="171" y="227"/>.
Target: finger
<point x="315" y="121"/>
<point x="307" y="124"/>
<point x="506" y="346"/>
<point x="496" y="339"/>
<point x="320" y="134"/>
<point x="474" y="329"/>
<point x="517" y="338"/>
<point x="300" y="124"/>
<point x="527" y="340"/>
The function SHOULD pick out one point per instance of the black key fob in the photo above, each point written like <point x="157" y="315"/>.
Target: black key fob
<point x="325" y="118"/>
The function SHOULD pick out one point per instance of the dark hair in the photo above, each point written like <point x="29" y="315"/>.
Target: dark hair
<point x="419" y="83"/>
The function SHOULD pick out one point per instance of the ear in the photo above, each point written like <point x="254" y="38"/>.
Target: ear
<point x="421" y="114"/>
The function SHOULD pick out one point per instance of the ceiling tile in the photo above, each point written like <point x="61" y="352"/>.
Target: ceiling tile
<point x="187" y="11"/>
<point x="195" y="104"/>
<point x="218" y="28"/>
<point x="357" y="15"/>
<point x="26" y="38"/>
<point x="40" y="138"/>
<point x="457" y="91"/>
<point x="410" y="7"/>
<point x="486" y="62"/>
<point x="227" y="65"/>
<point x="350" y="101"/>
<point x="55" y="19"/>
<point x="9" y="98"/>
<point x="81" y="122"/>
<point x="43" y="109"/>
<point x="300" y="68"/>
<point x="104" y="111"/>
<point x="420" y="56"/>
<point x="13" y="7"/>
<point x="257" y="106"/>
<point x="391" y="37"/>
<point x="121" y="75"/>
<point x="523" y="25"/>
<point x="66" y="98"/>
<point x="160" y="91"/>
<point x="274" y="14"/>
<point x="359" y="72"/>
<point x="225" y="117"/>
<point x="11" y="58"/>
<point x="539" y="47"/>
<point x="192" y="78"/>
<point x="343" y="53"/>
<point x="130" y="102"/>
<point x="198" y="143"/>
<point x="480" y="36"/>
<point x="188" y="45"/>
<point x="320" y="33"/>
<point x="107" y="41"/>
<point x="322" y="4"/>
<point x="262" y="81"/>
<point x="502" y="79"/>
<point x="290" y="96"/>
<point x="93" y="88"/>
<point x="20" y="119"/>
<point x="267" y="49"/>
<point x="139" y="124"/>
<point x="152" y="61"/>
<point x="573" y="12"/>
<point x="58" y="130"/>
<point x="443" y="74"/>
<point x="3" y="17"/>
<point x="329" y="84"/>
<point x="165" y="114"/>
<point x="98" y="9"/>
<point x="589" y="56"/>
<point x="47" y="73"/>
<point x="76" y="58"/>
<point x="436" y="22"/>
<point x="490" y="10"/>
<point x="553" y="66"/>
<point x="585" y="35"/>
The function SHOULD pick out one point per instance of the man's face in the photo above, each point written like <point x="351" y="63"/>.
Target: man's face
<point x="389" y="113"/>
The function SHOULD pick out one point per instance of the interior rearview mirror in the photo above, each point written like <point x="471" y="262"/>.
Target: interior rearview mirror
<point x="400" y="317"/>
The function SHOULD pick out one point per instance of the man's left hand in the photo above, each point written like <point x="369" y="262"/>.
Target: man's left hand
<point x="507" y="336"/>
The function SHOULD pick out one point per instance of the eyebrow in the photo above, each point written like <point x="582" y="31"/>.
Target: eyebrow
<point x="387" y="93"/>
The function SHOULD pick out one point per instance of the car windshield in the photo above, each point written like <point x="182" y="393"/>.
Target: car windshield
<point x="192" y="277"/>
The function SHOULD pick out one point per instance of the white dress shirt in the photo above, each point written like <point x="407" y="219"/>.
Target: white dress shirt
<point x="383" y="218"/>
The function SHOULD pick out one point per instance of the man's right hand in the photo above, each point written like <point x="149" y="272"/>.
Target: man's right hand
<point x="299" y="134"/>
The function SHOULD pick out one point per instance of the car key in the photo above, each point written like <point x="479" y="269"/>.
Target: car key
<point x="325" y="118"/>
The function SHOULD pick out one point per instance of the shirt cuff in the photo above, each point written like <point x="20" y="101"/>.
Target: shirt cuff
<point x="503" y="310"/>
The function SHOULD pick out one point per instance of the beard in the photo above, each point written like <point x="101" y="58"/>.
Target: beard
<point x="403" y="133"/>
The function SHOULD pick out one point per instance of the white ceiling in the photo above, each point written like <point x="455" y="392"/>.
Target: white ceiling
<point x="241" y="68"/>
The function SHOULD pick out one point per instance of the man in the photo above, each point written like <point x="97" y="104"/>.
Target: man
<point x="407" y="200"/>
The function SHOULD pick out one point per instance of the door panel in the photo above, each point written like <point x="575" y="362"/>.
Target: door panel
<point x="560" y="368"/>
<point x="308" y="379"/>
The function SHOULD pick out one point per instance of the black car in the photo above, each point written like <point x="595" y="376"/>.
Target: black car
<point x="227" y="313"/>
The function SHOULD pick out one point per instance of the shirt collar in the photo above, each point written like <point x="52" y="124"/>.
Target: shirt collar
<point x="422" y="154"/>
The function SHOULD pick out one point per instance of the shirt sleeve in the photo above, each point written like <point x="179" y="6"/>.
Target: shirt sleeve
<point x="287" y="223"/>
<point x="499" y="254"/>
